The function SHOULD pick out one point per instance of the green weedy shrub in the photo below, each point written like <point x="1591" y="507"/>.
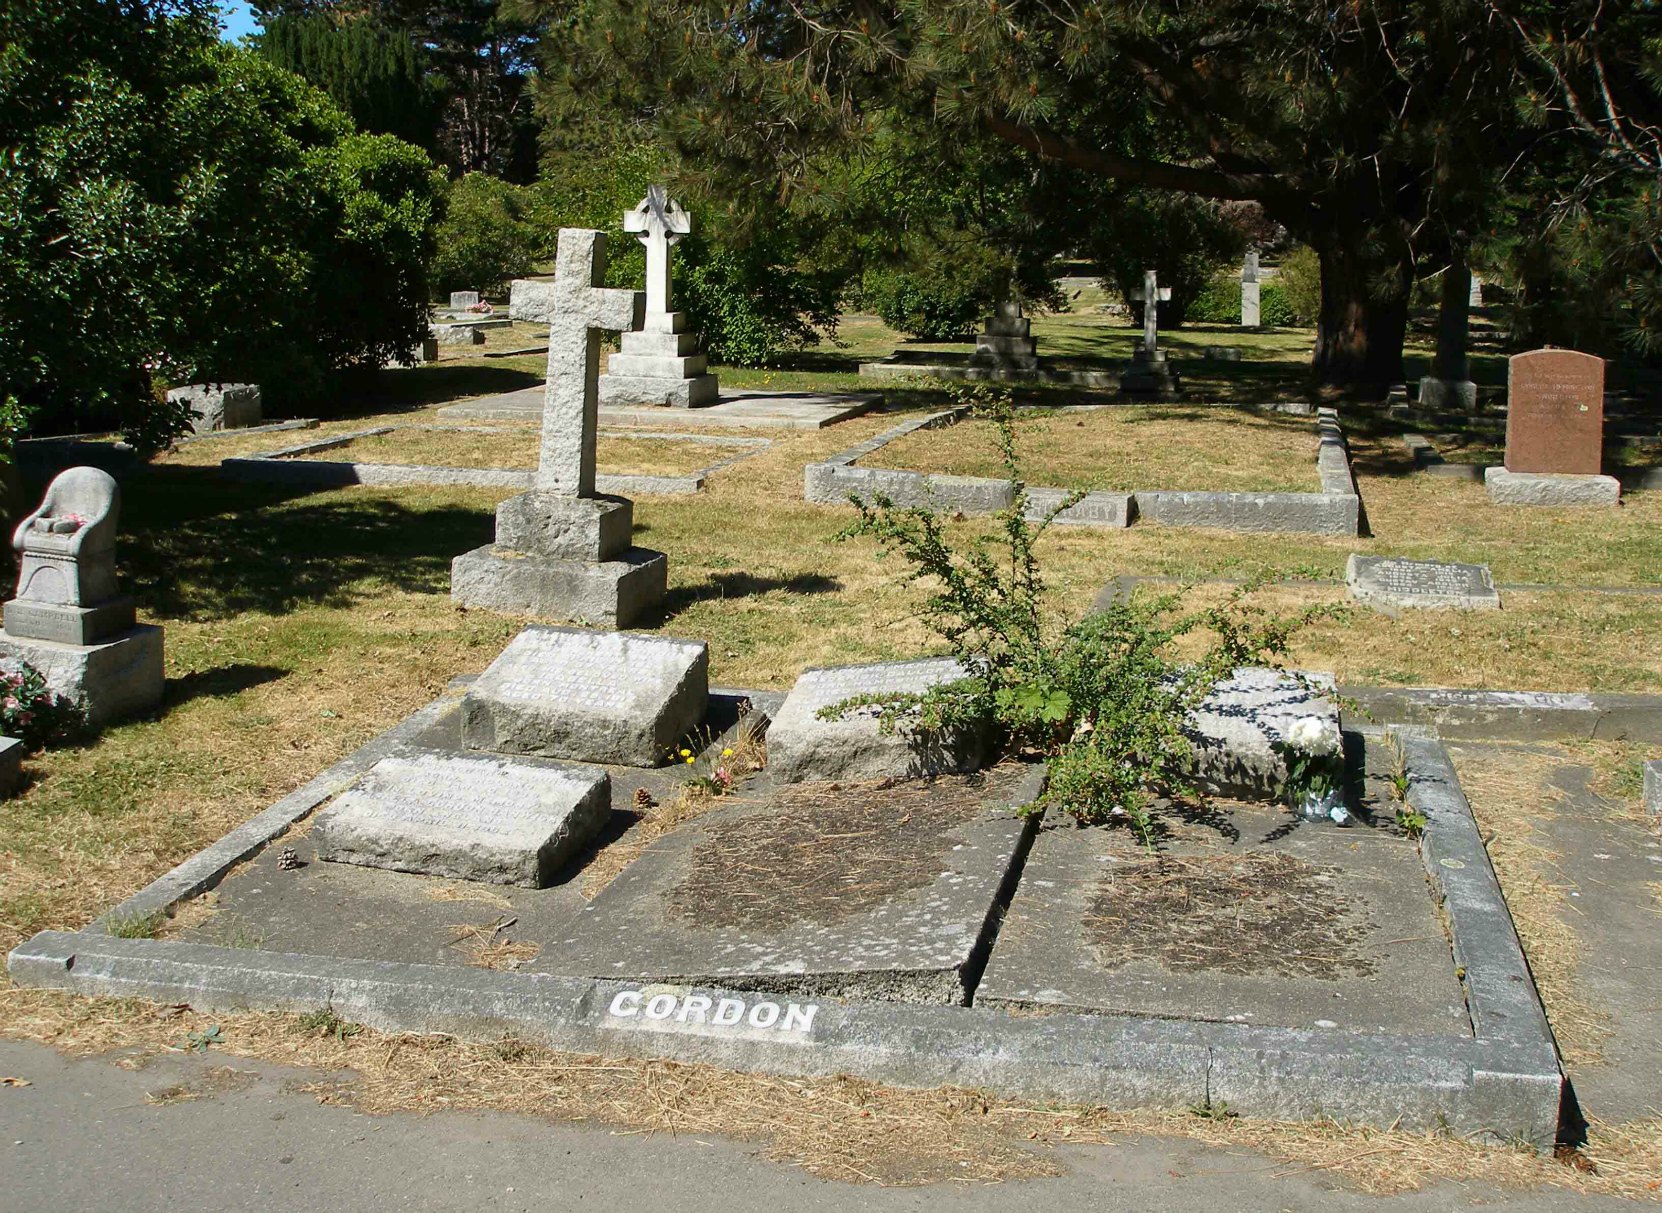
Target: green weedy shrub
<point x="1103" y="699"/>
<point x="1275" y="311"/>
<point x="752" y="301"/>
<point x="489" y="235"/>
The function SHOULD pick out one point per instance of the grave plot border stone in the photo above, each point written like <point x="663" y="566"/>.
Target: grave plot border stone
<point x="1503" y="1081"/>
<point x="1550" y="488"/>
<point x="290" y="465"/>
<point x="1335" y="510"/>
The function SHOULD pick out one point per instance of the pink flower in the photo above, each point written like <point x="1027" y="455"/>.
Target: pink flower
<point x="25" y="717"/>
<point x="10" y="704"/>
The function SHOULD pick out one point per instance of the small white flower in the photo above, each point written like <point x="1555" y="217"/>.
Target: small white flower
<point x="1313" y="735"/>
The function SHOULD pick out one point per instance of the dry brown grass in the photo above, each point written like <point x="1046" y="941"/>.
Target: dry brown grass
<point x="1511" y="796"/>
<point x="836" y="1128"/>
<point x="1140" y="448"/>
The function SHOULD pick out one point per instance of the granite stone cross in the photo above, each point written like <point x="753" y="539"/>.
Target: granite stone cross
<point x="581" y="308"/>
<point x="658" y="222"/>
<point x="1151" y="295"/>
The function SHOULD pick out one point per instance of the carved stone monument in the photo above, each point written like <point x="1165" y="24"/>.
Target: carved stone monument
<point x="1007" y="343"/>
<point x="562" y="551"/>
<point x="1554" y="432"/>
<point x="1249" y="292"/>
<point x="1449" y="386"/>
<point x="68" y="619"/>
<point x="1149" y="374"/>
<point x="659" y="363"/>
<point x="219" y="406"/>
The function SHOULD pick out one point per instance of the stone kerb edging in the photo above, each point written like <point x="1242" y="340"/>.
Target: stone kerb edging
<point x="290" y="465"/>
<point x="1502" y="1080"/>
<point x="1335" y="510"/>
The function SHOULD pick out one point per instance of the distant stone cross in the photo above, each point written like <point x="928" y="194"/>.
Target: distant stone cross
<point x="658" y="222"/>
<point x="581" y="309"/>
<point x="1152" y="295"/>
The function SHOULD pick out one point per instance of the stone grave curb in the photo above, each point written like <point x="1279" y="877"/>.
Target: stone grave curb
<point x="1335" y="510"/>
<point x="289" y="466"/>
<point x="1651" y="781"/>
<point x="1460" y="715"/>
<point x="1504" y="1081"/>
<point x="895" y="372"/>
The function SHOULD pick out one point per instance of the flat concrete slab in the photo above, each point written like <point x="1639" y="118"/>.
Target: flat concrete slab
<point x="859" y="890"/>
<point x="736" y="408"/>
<point x="1244" y="917"/>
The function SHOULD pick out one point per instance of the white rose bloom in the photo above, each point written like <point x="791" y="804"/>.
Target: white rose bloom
<point x="1313" y="735"/>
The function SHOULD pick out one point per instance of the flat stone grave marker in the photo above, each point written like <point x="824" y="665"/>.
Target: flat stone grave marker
<point x="801" y="746"/>
<point x="468" y="818"/>
<point x="1389" y="581"/>
<point x="1235" y="920"/>
<point x="1555" y="413"/>
<point x="607" y="697"/>
<point x="867" y="891"/>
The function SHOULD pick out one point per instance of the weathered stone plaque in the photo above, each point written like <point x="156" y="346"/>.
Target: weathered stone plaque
<point x="1239" y="731"/>
<point x="466" y="818"/>
<point x="608" y="697"/>
<point x="1421" y="583"/>
<point x="802" y="746"/>
<point x="1555" y="413"/>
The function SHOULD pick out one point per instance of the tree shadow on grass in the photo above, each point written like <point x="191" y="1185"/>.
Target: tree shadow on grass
<point x="421" y="387"/>
<point x="219" y="683"/>
<point x="721" y="586"/>
<point x="196" y="546"/>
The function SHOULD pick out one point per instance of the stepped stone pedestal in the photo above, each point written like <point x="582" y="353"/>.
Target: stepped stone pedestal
<point x="1007" y="343"/>
<point x="1150" y="374"/>
<point x="660" y="364"/>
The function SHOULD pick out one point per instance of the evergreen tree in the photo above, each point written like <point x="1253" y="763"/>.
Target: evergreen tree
<point x="376" y="75"/>
<point x="1373" y="131"/>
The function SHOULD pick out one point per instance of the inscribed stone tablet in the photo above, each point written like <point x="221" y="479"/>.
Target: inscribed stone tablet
<point x="1555" y="413"/>
<point x="609" y="697"/>
<point x="802" y="746"/>
<point x="467" y="818"/>
<point x="1421" y="583"/>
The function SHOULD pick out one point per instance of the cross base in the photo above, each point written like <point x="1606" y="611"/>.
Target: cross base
<point x="613" y="593"/>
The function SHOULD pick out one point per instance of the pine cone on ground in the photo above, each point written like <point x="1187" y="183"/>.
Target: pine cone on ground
<point x="644" y="800"/>
<point x="287" y="860"/>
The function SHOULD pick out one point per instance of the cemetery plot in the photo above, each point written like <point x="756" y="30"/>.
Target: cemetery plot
<point x="517" y="448"/>
<point x="861" y="890"/>
<point x="1237" y="917"/>
<point x="1129" y="448"/>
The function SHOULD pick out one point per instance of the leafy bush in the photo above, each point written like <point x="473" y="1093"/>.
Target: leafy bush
<point x="1105" y="699"/>
<point x="1219" y="302"/>
<point x="1299" y="280"/>
<point x="1274" y="310"/>
<point x="173" y="209"/>
<point x="1189" y="240"/>
<point x="940" y="291"/>
<point x="489" y="235"/>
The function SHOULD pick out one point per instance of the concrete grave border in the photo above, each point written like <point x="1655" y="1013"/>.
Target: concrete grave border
<point x="289" y="465"/>
<point x="1335" y="510"/>
<point x="1502" y="1081"/>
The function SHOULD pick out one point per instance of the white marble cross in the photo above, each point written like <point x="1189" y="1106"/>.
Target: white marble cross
<point x="581" y="307"/>
<point x="658" y="222"/>
<point x="1151" y="296"/>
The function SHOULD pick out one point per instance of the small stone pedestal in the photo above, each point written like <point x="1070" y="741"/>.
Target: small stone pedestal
<point x="11" y="766"/>
<point x="1007" y="343"/>
<point x="1455" y="394"/>
<point x="1150" y="375"/>
<point x="660" y="364"/>
<point x="562" y="557"/>
<point x="1550" y="488"/>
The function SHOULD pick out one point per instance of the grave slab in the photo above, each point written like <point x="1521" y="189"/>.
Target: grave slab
<point x="1388" y="581"/>
<point x="868" y="890"/>
<point x="608" y="697"/>
<point x="734" y="408"/>
<point x="1240" y="728"/>
<point x="495" y="820"/>
<point x="11" y="766"/>
<point x="801" y="746"/>
<point x="1237" y="919"/>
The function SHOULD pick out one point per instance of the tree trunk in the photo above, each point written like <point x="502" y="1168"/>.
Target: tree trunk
<point x="1454" y="323"/>
<point x="1360" y="332"/>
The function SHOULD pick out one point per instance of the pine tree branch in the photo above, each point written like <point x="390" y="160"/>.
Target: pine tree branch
<point x="1187" y="179"/>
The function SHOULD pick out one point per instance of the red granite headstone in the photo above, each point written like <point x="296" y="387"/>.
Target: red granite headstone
<point x="1555" y="413"/>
